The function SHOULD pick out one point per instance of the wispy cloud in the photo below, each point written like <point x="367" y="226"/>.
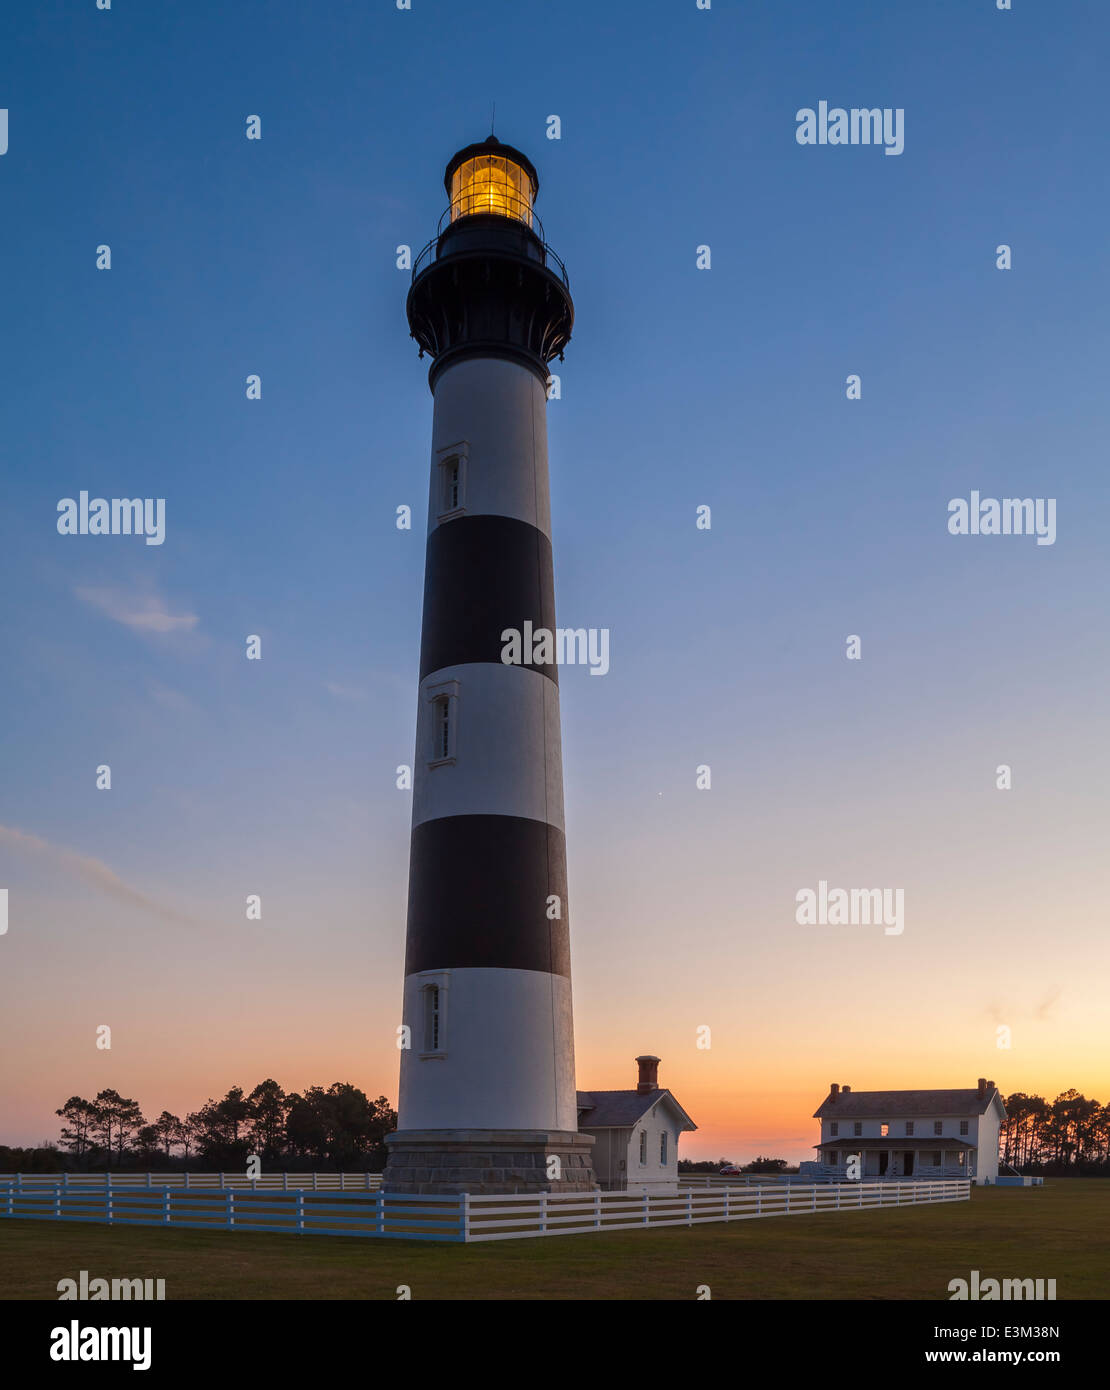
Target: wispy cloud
<point x="141" y="612"/>
<point x="91" y="870"/>
<point x="171" y="699"/>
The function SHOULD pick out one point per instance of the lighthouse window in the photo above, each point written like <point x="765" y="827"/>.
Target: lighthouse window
<point x="431" y="1019"/>
<point x="443" y="728"/>
<point x="451" y="501"/>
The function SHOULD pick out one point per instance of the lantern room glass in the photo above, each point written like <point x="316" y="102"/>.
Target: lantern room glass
<point x="491" y="183"/>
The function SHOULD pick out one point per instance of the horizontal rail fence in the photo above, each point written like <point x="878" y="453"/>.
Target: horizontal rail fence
<point x="467" y="1217"/>
<point x="284" y="1182"/>
<point x="513" y="1217"/>
<point x="382" y="1215"/>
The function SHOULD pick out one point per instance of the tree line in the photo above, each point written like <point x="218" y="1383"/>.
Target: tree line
<point x="340" y="1126"/>
<point x="1070" y="1134"/>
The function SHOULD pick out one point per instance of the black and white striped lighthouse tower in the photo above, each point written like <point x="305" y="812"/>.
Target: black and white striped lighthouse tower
<point x="487" y="1094"/>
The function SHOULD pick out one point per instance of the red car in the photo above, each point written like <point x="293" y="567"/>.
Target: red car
<point x="730" y="1170"/>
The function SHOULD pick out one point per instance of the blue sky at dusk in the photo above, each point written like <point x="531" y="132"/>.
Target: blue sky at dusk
<point x="680" y="387"/>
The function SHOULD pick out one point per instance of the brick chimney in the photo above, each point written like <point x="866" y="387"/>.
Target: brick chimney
<point x="982" y="1088"/>
<point x="649" y="1074"/>
<point x="846" y="1090"/>
<point x="834" y="1091"/>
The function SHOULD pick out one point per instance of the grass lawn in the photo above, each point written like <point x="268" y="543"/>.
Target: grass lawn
<point x="1060" y="1231"/>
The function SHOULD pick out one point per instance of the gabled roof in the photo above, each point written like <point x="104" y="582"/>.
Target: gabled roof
<point x="623" y="1109"/>
<point x="885" y="1105"/>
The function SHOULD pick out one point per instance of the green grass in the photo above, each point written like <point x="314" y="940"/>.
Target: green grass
<point x="1056" y="1232"/>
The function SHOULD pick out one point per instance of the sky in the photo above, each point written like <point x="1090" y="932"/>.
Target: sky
<point x="682" y="387"/>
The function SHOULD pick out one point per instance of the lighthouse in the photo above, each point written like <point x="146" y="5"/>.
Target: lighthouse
<point x="487" y="1098"/>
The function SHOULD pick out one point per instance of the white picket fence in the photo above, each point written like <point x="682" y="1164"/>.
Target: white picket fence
<point x="463" y="1218"/>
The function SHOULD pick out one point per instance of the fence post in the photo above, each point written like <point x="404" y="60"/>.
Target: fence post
<point x="300" y="1211"/>
<point x="221" y="1180"/>
<point x="19" y="1182"/>
<point x="315" y="1181"/>
<point x="465" y="1217"/>
<point x="758" y="1201"/>
<point x="231" y="1206"/>
<point x="727" y="1191"/>
<point x="543" y="1213"/>
<point x="597" y="1208"/>
<point x="788" y="1199"/>
<point x="166" y="1205"/>
<point x="285" y="1182"/>
<point x="148" y="1179"/>
<point x="65" y="1181"/>
<point x="57" y="1201"/>
<point x="645" y="1208"/>
<point x="379" y="1205"/>
<point x="186" y="1178"/>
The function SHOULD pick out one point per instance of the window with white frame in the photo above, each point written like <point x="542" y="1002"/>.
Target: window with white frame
<point x="857" y="1128"/>
<point x="963" y="1126"/>
<point x="938" y="1126"/>
<point x="451" y="501"/>
<point x="643" y="1146"/>
<point x="442" y="725"/>
<point x="834" y="1129"/>
<point x="433" y="1018"/>
<point x="909" y="1127"/>
<point x="663" y="1148"/>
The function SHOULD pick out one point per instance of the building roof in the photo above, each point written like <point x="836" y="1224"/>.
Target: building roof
<point x="623" y="1109"/>
<point x="892" y="1141"/>
<point x="874" y="1105"/>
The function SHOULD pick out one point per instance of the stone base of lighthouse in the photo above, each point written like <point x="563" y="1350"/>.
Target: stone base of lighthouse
<point x="488" y="1161"/>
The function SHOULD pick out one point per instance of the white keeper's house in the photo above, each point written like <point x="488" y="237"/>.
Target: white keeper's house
<point x="635" y="1134"/>
<point x="911" y="1134"/>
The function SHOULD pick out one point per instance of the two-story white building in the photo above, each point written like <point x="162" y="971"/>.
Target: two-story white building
<point x="635" y="1134"/>
<point x="911" y="1134"/>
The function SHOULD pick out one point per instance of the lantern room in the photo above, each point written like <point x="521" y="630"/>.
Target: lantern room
<point x="491" y="178"/>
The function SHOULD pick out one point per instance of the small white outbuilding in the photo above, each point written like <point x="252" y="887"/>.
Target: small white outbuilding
<point x="635" y="1134"/>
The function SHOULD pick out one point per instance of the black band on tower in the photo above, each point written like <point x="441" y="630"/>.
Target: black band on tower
<point x="478" y="891"/>
<point x="484" y="574"/>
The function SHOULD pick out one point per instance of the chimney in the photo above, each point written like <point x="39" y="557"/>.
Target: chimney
<point x="990" y="1087"/>
<point x="834" y="1091"/>
<point x="649" y="1074"/>
<point x="847" y="1090"/>
<point x="982" y="1088"/>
